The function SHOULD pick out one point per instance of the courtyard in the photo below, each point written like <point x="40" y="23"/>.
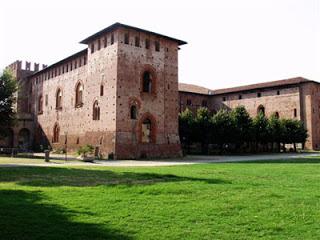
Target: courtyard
<point x="266" y="199"/>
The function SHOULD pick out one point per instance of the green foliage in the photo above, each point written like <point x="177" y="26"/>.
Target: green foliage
<point x="238" y="129"/>
<point x="85" y="150"/>
<point x="260" y="129"/>
<point x="243" y="124"/>
<point x="222" y="128"/>
<point x="8" y="86"/>
<point x="186" y="123"/>
<point x="202" y="128"/>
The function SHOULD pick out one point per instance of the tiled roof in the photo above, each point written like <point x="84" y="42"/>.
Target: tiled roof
<point x="183" y="87"/>
<point x="117" y="25"/>
<point x="191" y="88"/>
<point x="279" y="83"/>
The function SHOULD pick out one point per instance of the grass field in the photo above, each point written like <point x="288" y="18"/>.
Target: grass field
<point x="267" y="200"/>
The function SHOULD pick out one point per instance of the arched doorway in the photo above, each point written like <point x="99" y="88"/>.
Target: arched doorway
<point x="147" y="126"/>
<point x="24" y="138"/>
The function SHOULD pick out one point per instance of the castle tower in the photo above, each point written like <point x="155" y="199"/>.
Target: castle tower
<point x="143" y="101"/>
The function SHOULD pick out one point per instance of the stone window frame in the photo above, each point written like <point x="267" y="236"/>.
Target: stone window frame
<point x="79" y="102"/>
<point x="137" y="41"/>
<point x="126" y="38"/>
<point x="152" y="71"/>
<point x="59" y="102"/>
<point x="147" y="43"/>
<point x="157" y="46"/>
<point x="95" y="111"/>
<point x="40" y="104"/>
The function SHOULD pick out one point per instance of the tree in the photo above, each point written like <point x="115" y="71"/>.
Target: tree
<point x="260" y="130"/>
<point x="293" y="132"/>
<point x="8" y="86"/>
<point x="202" y="128"/>
<point x="222" y="128"/>
<point x="186" y="125"/>
<point x="275" y="130"/>
<point x="243" y="125"/>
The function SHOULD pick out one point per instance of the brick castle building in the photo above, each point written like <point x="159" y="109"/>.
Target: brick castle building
<point x="121" y="95"/>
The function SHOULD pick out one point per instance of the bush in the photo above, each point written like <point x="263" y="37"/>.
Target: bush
<point x="85" y="150"/>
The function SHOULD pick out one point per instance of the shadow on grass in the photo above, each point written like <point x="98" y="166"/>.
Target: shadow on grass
<point x="51" y="177"/>
<point x="289" y="160"/>
<point x="24" y="216"/>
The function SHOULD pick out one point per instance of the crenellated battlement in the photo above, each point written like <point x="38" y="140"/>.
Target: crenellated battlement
<point x="27" y="66"/>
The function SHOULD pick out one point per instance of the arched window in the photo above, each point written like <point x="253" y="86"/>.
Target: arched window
<point x="133" y="112"/>
<point x="96" y="111"/>
<point x="56" y="133"/>
<point x="146" y="130"/>
<point x="40" y="104"/>
<point x="261" y="109"/>
<point x="147" y="82"/>
<point x="79" y="95"/>
<point x="59" y="99"/>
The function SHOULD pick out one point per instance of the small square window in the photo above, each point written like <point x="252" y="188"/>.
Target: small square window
<point x="126" y="38"/>
<point x="157" y="46"/>
<point x="137" y="41"/>
<point x="147" y="43"/>
<point x="99" y="44"/>
<point x="105" y="42"/>
<point x="112" y="39"/>
<point x="92" y="48"/>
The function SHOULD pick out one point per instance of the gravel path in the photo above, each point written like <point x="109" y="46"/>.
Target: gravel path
<point x="163" y="162"/>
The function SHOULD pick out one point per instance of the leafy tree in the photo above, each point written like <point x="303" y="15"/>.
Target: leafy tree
<point x="301" y="134"/>
<point x="260" y="129"/>
<point x="202" y="128"/>
<point x="293" y="132"/>
<point x="275" y="130"/>
<point x="186" y="125"/>
<point x="243" y="125"/>
<point x="8" y="86"/>
<point x="222" y="128"/>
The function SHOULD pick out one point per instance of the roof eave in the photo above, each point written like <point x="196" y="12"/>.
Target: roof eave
<point x="117" y="25"/>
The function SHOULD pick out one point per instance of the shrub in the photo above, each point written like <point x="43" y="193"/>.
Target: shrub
<point x="85" y="150"/>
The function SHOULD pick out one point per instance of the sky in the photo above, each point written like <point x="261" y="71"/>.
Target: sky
<point x="230" y="42"/>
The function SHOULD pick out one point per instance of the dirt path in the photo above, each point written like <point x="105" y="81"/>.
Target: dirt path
<point x="163" y="162"/>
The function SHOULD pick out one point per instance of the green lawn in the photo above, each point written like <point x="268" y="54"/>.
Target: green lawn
<point x="212" y="201"/>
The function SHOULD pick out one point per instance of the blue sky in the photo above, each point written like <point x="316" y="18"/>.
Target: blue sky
<point x="230" y="42"/>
